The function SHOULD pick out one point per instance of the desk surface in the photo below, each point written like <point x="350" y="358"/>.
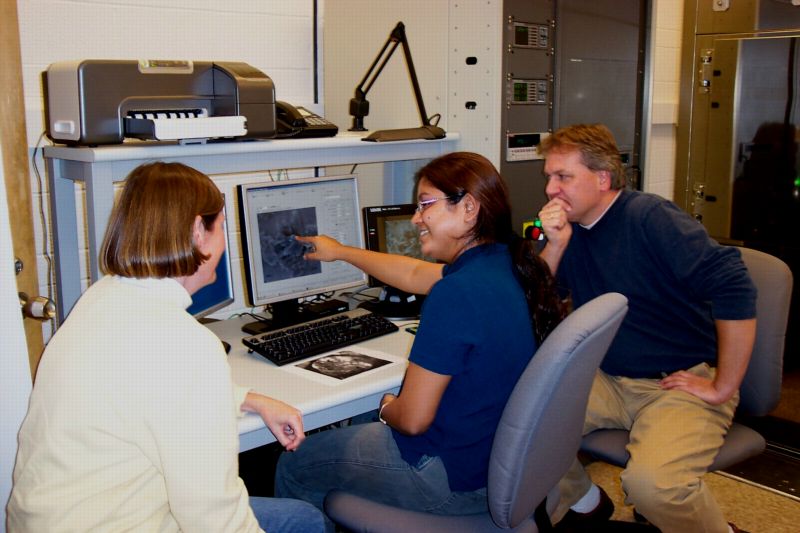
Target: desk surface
<point x="322" y="400"/>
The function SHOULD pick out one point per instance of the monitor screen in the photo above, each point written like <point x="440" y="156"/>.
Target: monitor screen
<point x="272" y="213"/>
<point x="388" y="228"/>
<point x="218" y="294"/>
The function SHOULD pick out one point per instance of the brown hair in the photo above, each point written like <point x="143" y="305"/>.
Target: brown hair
<point x="597" y="147"/>
<point x="149" y="233"/>
<point x="459" y="173"/>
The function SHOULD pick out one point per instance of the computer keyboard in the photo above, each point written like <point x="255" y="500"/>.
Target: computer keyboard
<point x="293" y="343"/>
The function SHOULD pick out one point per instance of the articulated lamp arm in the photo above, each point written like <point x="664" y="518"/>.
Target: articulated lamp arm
<point x="359" y="106"/>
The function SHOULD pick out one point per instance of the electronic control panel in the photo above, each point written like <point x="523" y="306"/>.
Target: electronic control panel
<point x="529" y="92"/>
<point x="527" y="35"/>
<point x="522" y="146"/>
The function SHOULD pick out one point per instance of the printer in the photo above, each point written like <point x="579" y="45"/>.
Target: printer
<point x="100" y="101"/>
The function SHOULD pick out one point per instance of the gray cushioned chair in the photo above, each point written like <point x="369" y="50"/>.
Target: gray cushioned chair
<point x="760" y="390"/>
<point x="536" y="440"/>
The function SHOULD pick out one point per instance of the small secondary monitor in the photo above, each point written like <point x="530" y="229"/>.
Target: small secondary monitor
<point x="218" y="294"/>
<point x="273" y="213"/>
<point x="388" y="229"/>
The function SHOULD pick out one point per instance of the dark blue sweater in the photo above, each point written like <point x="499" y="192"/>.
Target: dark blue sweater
<point x="676" y="278"/>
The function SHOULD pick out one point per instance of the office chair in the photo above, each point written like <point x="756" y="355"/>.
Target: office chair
<point x="761" y="386"/>
<point x="536" y="440"/>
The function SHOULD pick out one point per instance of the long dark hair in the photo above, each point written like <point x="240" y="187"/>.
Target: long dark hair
<point x="459" y="173"/>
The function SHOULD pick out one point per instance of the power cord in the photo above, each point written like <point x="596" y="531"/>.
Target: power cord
<point x="250" y="314"/>
<point x="359" y="296"/>
<point x="45" y="233"/>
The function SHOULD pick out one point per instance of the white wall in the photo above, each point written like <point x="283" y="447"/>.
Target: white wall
<point x="15" y="378"/>
<point x="271" y="35"/>
<point x="355" y="31"/>
<point x="274" y="36"/>
<point x="666" y="45"/>
<point x="440" y="35"/>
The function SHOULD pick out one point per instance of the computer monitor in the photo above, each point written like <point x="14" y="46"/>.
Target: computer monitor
<point x="276" y="273"/>
<point x="218" y="294"/>
<point x="388" y="228"/>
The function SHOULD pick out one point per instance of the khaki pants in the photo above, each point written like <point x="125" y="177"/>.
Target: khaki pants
<point x="675" y="437"/>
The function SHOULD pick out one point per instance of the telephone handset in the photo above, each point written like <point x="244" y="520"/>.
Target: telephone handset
<point x="298" y="121"/>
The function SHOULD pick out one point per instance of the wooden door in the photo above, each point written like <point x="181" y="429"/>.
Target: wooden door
<point x="13" y="140"/>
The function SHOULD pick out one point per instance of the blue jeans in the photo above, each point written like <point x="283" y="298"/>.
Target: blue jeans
<point x="364" y="460"/>
<point x="286" y="516"/>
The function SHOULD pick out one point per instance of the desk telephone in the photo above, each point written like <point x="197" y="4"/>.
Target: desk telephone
<point x="298" y="121"/>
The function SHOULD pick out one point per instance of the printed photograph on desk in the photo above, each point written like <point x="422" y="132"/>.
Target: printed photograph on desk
<point x="351" y="366"/>
<point x="343" y="364"/>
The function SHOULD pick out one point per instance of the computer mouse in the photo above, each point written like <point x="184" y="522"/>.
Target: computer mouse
<point x="227" y="346"/>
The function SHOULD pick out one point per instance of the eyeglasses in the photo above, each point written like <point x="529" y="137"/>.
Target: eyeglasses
<point x="425" y="204"/>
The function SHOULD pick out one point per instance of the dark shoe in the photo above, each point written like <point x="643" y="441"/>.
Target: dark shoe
<point x="574" y="521"/>
<point x="640" y="518"/>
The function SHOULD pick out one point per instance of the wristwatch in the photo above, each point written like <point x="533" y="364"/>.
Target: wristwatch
<point x="380" y="413"/>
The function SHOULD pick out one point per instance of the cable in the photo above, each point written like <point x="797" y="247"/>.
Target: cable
<point x="282" y="175"/>
<point x="357" y="295"/>
<point x="360" y="297"/>
<point x="250" y="314"/>
<point x="45" y="232"/>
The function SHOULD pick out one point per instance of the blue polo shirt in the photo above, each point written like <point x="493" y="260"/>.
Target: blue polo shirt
<point x="475" y="327"/>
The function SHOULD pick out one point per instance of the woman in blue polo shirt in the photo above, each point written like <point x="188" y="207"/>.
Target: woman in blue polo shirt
<point x="490" y="302"/>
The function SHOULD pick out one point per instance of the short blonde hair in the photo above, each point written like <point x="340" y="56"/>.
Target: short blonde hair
<point x="150" y="231"/>
<point x="597" y="147"/>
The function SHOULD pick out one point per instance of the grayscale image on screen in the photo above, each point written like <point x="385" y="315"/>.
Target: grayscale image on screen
<point x="281" y="254"/>
<point x="274" y="213"/>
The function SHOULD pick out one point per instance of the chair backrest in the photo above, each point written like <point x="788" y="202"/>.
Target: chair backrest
<point x="761" y="387"/>
<point x="540" y="430"/>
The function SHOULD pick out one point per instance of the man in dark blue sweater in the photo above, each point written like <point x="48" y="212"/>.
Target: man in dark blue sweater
<point x="673" y="372"/>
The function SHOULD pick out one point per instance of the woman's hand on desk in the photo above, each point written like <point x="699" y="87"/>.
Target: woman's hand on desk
<point x="283" y="420"/>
